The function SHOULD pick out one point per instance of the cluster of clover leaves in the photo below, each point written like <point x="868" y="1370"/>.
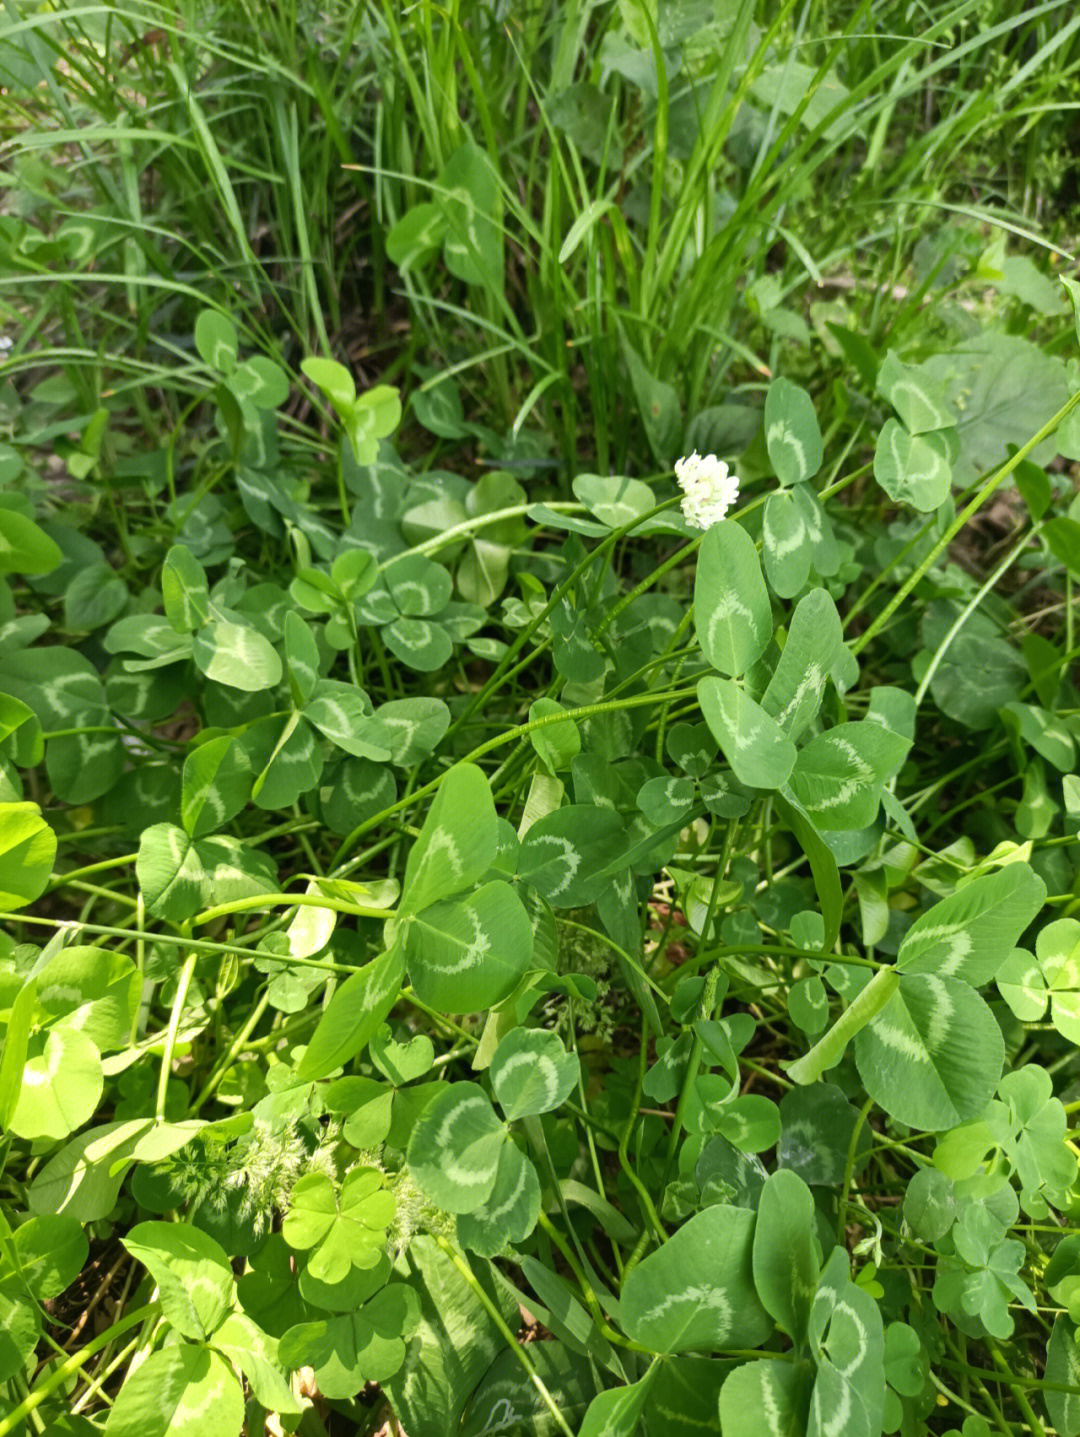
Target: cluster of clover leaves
<point x="327" y="1072"/>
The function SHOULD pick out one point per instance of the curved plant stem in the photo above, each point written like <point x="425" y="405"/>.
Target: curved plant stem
<point x="45" y="1387"/>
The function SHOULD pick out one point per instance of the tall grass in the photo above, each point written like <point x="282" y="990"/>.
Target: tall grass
<point x="674" y="189"/>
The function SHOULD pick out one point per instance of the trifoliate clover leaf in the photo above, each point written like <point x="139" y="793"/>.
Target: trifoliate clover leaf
<point x="696" y="1293"/>
<point x="346" y="1226"/>
<point x="848" y="1343"/>
<point x="510" y="1212"/>
<point x="455" y="1148"/>
<point x="347" y="1351"/>
<point x="532" y="1073"/>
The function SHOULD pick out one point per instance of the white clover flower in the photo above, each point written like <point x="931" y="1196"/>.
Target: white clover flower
<point x="709" y="489"/>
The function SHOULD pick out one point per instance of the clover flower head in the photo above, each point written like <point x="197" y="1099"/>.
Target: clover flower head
<point x="709" y="488"/>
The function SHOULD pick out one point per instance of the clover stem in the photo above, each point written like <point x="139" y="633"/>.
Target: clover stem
<point x="849" y="1169"/>
<point x="170" y="1037"/>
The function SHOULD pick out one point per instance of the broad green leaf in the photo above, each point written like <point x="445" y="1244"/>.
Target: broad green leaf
<point x="255" y="1353"/>
<point x="913" y="468"/>
<point x="20" y="1333"/>
<point x="467" y="954"/>
<point x="178" y="875"/>
<point x="312" y="928"/>
<point x="24" y="547"/>
<point x="760" y="753"/>
<point x="766" y="1399"/>
<point x="785" y="543"/>
<point x="1063" y="1370"/>
<point x="999" y="386"/>
<point x="532" y="1072"/>
<point x="455" y="1148"/>
<point x="808" y="1004"/>
<point x="27" y="853"/>
<point x="838" y="775"/>
<point x="347" y="1295"/>
<point x="970" y="934"/>
<point x="216" y="341"/>
<point x="354" y="571"/>
<point x="237" y="656"/>
<point x="184" y="589"/>
<point x="287" y="758"/>
<point x="348" y="1351"/>
<point x="417" y="235"/>
<point x="402" y="1063"/>
<point x="406" y="730"/>
<point x="150" y="636"/>
<point x="457" y="843"/>
<point x="1021" y="983"/>
<point x="177" y="1392"/>
<point x="468" y="194"/>
<point x="508" y="1398"/>
<point x="418" y="586"/>
<point x="511" y="1210"/>
<point x="731" y="604"/>
<point x="373" y="415"/>
<point x="19" y="719"/>
<point x="352" y="1016"/>
<point x="787" y="1254"/>
<point x="616" y="1413"/>
<point x="615" y="501"/>
<point x="301" y="658"/>
<point x="454" y="1345"/>
<point x="558" y="743"/>
<point x="930" y="1204"/>
<point x="359" y="790"/>
<point x="696" y="1293"/>
<point x="20" y="1024"/>
<point x="1062" y="535"/>
<point x="814" y="641"/>
<point x="1044" y="732"/>
<point x="269" y="1292"/>
<point x="981" y="671"/>
<point x="344" y="1227"/>
<point x="794" y="88"/>
<point x="51" y="1252"/>
<point x="61" y="1088"/>
<point x="84" y="1177"/>
<point x="933" y="1056"/>
<point x="564" y="854"/>
<point x="261" y="382"/>
<point x="1058" y="950"/>
<point x="194" y="1279"/>
<point x="818" y="1124"/>
<point x="848" y="1340"/>
<point x="792" y="436"/>
<point x="338" y="711"/>
<point x="332" y="378"/>
<point x="919" y="400"/>
<point x="664" y="800"/>
<point x="216" y="785"/>
<point x="421" y="644"/>
<point x="95" y="597"/>
<point x="685" y="1395"/>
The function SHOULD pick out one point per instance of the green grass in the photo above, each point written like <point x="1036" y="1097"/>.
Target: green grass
<point x="257" y="156"/>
